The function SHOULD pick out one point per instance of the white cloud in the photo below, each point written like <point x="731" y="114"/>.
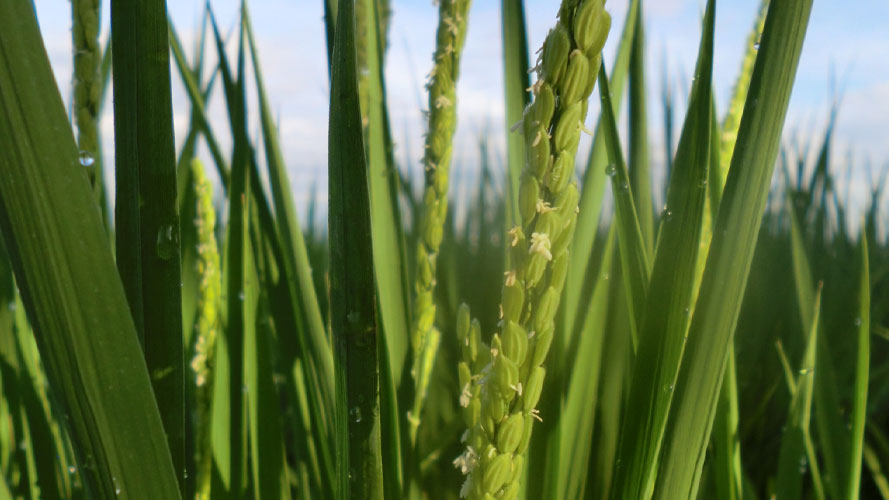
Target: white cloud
<point x="292" y="46"/>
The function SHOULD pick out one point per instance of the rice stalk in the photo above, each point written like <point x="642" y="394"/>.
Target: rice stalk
<point x="87" y="84"/>
<point x="499" y="399"/>
<point x="207" y="325"/>
<point x="442" y="115"/>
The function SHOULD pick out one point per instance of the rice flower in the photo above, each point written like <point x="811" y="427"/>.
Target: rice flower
<point x="87" y="83"/>
<point x="501" y="390"/>
<point x="207" y="324"/>
<point x="450" y="38"/>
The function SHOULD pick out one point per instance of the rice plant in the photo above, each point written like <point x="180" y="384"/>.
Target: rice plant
<point x="532" y="329"/>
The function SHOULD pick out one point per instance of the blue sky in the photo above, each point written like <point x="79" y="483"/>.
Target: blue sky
<point x="846" y="38"/>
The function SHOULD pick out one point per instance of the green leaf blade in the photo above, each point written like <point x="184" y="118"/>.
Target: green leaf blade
<point x="735" y="232"/>
<point x="353" y="302"/>
<point x="666" y="312"/>
<point x="55" y="235"/>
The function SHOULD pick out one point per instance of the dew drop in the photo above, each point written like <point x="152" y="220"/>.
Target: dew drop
<point x="241" y="295"/>
<point x="610" y="170"/>
<point x="72" y="469"/>
<point x="668" y="214"/>
<point x="166" y="242"/>
<point x="355" y="413"/>
<point x="85" y="158"/>
<point x="624" y="187"/>
<point x="857" y="321"/>
<point x="803" y="465"/>
<point x="353" y="317"/>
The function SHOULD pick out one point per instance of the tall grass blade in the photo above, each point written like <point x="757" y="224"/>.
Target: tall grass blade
<point x="726" y="441"/>
<point x="294" y="254"/>
<point x="862" y="373"/>
<point x="828" y="423"/>
<point x="639" y="168"/>
<point x="635" y="263"/>
<point x="53" y="230"/>
<point x="739" y="94"/>
<point x="353" y="302"/>
<point x="593" y="185"/>
<point x="229" y="420"/>
<point x="29" y="412"/>
<point x="329" y="29"/>
<point x="577" y="420"/>
<point x="663" y="327"/>
<point x="617" y="353"/>
<point x="389" y="254"/>
<point x="516" y="81"/>
<point x="667" y="106"/>
<point x="199" y="112"/>
<point x="146" y="210"/>
<point x="267" y="457"/>
<point x="728" y="263"/>
<point x="788" y="485"/>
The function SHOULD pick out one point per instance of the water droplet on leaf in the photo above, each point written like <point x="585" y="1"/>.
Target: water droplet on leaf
<point x="85" y="158"/>
<point x="166" y="242"/>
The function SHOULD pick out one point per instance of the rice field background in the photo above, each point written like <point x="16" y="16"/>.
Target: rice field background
<point x="633" y="287"/>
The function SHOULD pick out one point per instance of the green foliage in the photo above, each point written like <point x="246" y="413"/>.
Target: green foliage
<point x="353" y="302"/>
<point x="73" y="295"/>
<point x="146" y="208"/>
<point x="732" y="345"/>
